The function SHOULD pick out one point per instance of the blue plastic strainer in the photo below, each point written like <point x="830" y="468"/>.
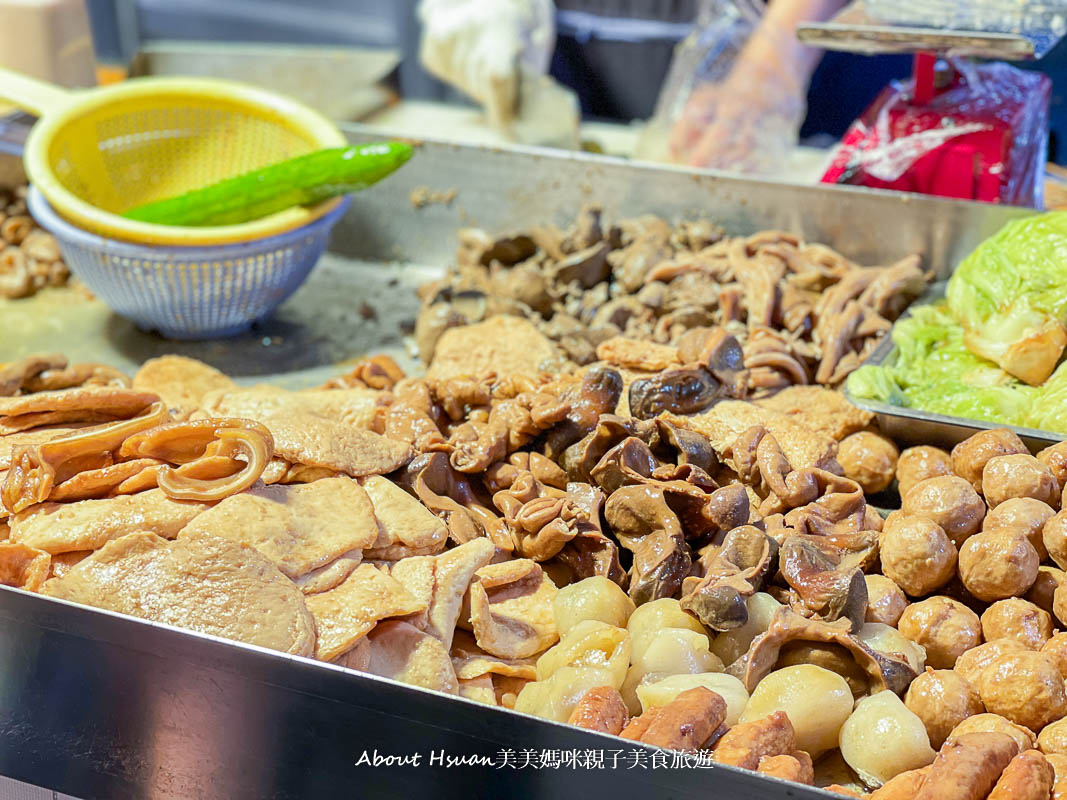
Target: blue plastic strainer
<point x="190" y="292"/>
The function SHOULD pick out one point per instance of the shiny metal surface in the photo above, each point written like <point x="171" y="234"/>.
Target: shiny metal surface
<point x="500" y="189"/>
<point x="100" y="706"/>
<point x="853" y="30"/>
<point x="362" y="294"/>
<point x="912" y="426"/>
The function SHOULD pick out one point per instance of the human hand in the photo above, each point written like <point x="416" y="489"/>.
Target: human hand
<point x="741" y="123"/>
<point x="477" y="45"/>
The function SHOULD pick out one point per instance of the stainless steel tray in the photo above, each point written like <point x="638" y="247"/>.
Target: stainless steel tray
<point x="914" y="426"/>
<point x="854" y="30"/>
<point x="386" y="246"/>
<point x="101" y="706"/>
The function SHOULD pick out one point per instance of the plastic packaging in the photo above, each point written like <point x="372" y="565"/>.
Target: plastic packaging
<point x="707" y="86"/>
<point x="983" y="135"/>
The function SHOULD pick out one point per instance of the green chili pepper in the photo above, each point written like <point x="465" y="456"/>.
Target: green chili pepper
<point x="299" y="181"/>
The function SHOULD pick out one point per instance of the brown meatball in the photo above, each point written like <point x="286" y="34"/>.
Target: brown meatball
<point x="994" y="723"/>
<point x="945" y="627"/>
<point x="997" y="564"/>
<point x="869" y="459"/>
<point x="885" y="601"/>
<point x="1059" y="766"/>
<point x="1017" y="619"/>
<point x="916" y="464"/>
<point x="969" y="457"/>
<point x="1054" y="537"/>
<point x="1059" y="603"/>
<point x="972" y="664"/>
<point x="1042" y="593"/>
<point x="917" y="556"/>
<point x="1056" y="649"/>
<point x="1025" y="688"/>
<point x="893" y="519"/>
<point x="1018" y="475"/>
<point x="1055" y="458"/>
<point x="942" y="700"/>
<point x="1053" y="738"/>
<point x="950" y="502"/>
<point x="1026" y="514"/>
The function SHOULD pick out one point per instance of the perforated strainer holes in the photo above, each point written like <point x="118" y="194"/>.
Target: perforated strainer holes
<point x="187" y="292"/>
<point x="63" y="166"/>
<point x="132" y="152"/>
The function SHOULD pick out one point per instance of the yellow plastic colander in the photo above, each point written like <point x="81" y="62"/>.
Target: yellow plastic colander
<point x="95" y="153"/>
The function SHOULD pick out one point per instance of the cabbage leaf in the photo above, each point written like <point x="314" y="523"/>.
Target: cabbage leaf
<point x="1010" y="296"/>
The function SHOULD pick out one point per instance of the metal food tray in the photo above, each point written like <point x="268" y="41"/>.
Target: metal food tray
<point x="914" y="426"/>
<point x="854" y="30"/>
<point x="99" y="705"/>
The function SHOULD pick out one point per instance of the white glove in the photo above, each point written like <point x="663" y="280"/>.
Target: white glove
<point x="477" y="46"/>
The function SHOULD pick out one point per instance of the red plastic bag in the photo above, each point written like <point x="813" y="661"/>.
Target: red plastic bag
<point x="982" y="135"/>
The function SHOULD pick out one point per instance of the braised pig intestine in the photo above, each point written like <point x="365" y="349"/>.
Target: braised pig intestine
<point x="215" y="457"/>
<point x="51" y="371"/>
<point x="37" y="469"/>
<point x="640" y="280"/>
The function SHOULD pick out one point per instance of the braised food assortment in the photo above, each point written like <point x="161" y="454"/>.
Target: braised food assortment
<point x="802" y="312"/>
<point x="649" y="538"/>
<point x="29" y="256"/>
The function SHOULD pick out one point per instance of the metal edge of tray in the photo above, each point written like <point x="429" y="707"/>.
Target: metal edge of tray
<point x="155" y="711"/>
<point x="854" y="30"/>
<point x="98" y="705"/>
<point x="915" y="426"/>
<point x="384" y="245"/>
<point x="515" y="186"/>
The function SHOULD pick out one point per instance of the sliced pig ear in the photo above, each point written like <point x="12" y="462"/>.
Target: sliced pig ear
<point x="300" y="527"/>
<point x="330" y="575"/>
<point x="442" y="581"/>
<point x="358" y="658"/>
<point x="115" y="402"/>
<point x="402" y="520"/>
<point x="511" y="609"/>
<point x="181" y="382"/>
<point x="15" y="374"/>
<point x="471" y="661"/>
<point x="108" y="480"/>
<point x="400" y="651"/>
<point x="23" y="567"/>
<point x="479" y="689"/>
<point x="347" y="613"/>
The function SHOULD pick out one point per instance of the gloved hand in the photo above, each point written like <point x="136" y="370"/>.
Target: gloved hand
<point x="477" y="46"/>
<point x="742" y="123"/>
<point x="748" y="119"/>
